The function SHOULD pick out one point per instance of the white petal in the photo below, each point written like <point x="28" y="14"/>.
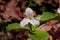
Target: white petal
<point x="24" y="22"/>
<point x="34" y="22"/>
<point x="29" y="12"/>
<point x="58" y="10"/>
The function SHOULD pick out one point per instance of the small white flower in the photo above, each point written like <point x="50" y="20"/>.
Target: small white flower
<point x="29" y="19"/>
<point x="58" y="10"/>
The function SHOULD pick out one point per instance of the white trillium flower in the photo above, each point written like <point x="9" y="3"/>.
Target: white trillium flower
<point x="29" y="19"/>
<point x="58" y="10"/>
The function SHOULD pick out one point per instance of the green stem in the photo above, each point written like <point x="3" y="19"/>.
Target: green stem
<point x="30" y="27"/>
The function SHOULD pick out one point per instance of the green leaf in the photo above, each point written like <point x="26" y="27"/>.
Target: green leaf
<point x="59" y="15"/>
<point x="56" y="18"/>
<point x="47" y="16"/>
<point x="13" y="26"/>
<point x="25" y="28"/>
<point x="34" y="27"/>
<point x="39" y="35"/>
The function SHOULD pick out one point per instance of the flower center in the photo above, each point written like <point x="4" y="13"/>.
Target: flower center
<point x="30" y="18"/>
